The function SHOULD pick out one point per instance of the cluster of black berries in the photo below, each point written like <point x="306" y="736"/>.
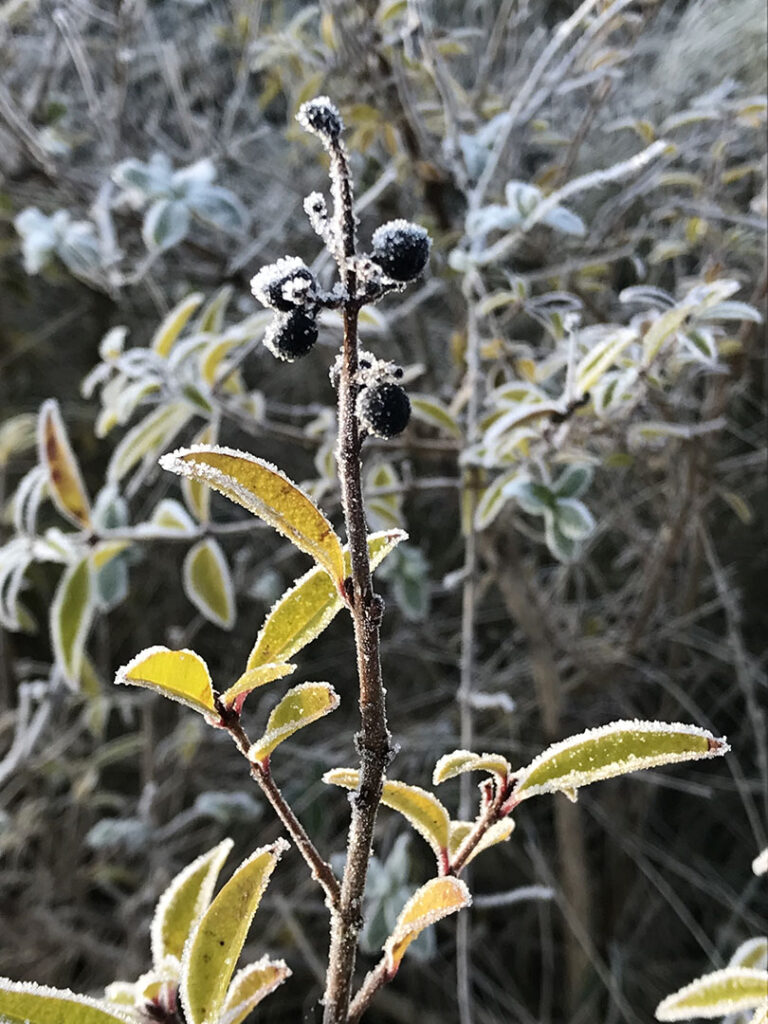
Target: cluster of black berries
<point x="399" y="254"/>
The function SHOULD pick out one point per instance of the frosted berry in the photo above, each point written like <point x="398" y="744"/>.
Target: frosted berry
<point x="383" y="410"/>
<point x="285" y="285"/>
<point x="401" y="249"/>
<point x="321" y="117"/>
<point x="291" y="335"/>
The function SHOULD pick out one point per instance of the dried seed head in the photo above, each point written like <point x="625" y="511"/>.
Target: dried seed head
<point x="321" y="117"/>
<point x="285" y="285"/>
<point x="383" y="410"/>
<point x="291" y="335"/>
<point x="401" y="249"/>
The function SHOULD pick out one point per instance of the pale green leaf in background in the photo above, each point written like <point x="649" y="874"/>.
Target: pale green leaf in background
<point x="208" y="583"/>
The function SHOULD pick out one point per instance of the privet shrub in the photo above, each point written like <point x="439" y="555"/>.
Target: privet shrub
<point x="197" y="938"/>
<point x="581" y="382"/>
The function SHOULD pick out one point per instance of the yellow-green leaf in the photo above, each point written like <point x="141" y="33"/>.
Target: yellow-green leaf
<point x="28" y="1003"/>
<point x="180" y="675"/>
<point x="105" y="551"/>
<point x="71" y="617"/>
<point x="304" y="611"/>
<point x="451" y="765"/>
<point x="249" y="986"/>
<point x="147" y="438"/>
<point x="211" y="318"/>
<point x="301" y="706"/>
<point x="174" y="323"/>
<point x="213" y="949"/>
<point x="435" y="413"/>
<point x="252" y="679"/>
<point x="752" y="953"/>
<point x="611" y="750"/>
<point x="208" y="583"/>
<point x="433" y="901"/>
<point x="64" y="480"/>
<point x="169" y="516"/>
<point x="266" y="492"/>
<point x="17" y="434"/>
<point x="601" y="358"/>
<point x="497" y="833"/>
<point x="421" y="809"/>
<point x="716" y="994"/>
<point x="184" y="902"/>
<point x="662" y="329"/>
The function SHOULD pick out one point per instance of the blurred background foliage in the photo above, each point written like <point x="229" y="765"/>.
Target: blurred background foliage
<point x="583" y="483"/>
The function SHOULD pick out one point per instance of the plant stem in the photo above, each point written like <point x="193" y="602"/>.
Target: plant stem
<point x="321" y="870"/>
<point x="373" y="740"/>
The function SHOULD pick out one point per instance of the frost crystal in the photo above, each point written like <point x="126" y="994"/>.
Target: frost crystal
<point x="321" y="117"/>
<point x="317" y="211"/>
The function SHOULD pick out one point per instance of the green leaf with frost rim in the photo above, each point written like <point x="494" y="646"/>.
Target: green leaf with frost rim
<point x="213" y="948"/>
<point x="301" y="706"/>
<point x="147" y="438"/>
<point x="267" y="493"/>
<point x="208" y="583"/>
<point x="614" y="749"/>
<point x="460" y="761"/>
<point x="71" y="617"/>
<point x="751" y="953"/>
<point x="303" y="612"/>
<point x="716" y="994"/>
<point x="28" y="1003"/>
<point x="250" y="985"/>
<point x="184" y="901"/>
<point x="433" y="901"/>
<point x="179" y="675"/>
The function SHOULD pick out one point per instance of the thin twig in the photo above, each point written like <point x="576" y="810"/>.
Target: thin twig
<point x="322" y="872"/>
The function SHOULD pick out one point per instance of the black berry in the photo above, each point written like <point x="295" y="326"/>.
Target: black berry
<point x="383" y="410"/>
<point x="285" y="285"/>
<point x="293" y="290"/>
<point x="321" y="117"/>
<point x="401" y="249"/>
<point x="291" y="335"/>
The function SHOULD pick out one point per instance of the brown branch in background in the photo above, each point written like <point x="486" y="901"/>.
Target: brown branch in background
<point x="524" y="608"/>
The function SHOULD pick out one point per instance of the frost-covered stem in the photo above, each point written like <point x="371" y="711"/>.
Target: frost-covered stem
<point x="373" y="741"/>
<point x="321" y="870"/>
<point x="375" y="979"/>
<point x="490" y="816"/>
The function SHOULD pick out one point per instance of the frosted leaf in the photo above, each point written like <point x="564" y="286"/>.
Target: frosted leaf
<point x="614" y="749"/>
<point x="322" y="118"/>
<point x="760" y="863"/>
<point x="25" y="1001"/>
<point x="752" y="953"/>
<point x="716" y="994"/>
